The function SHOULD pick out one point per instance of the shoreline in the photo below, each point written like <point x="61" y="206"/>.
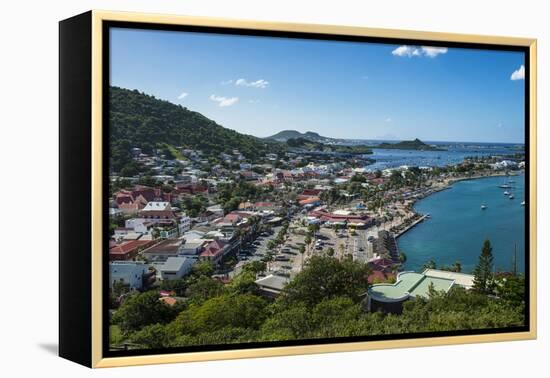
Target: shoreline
<point x="447" y="184"/>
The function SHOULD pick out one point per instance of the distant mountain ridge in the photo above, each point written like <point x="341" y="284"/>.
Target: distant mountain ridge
<point x="285" y="135"/>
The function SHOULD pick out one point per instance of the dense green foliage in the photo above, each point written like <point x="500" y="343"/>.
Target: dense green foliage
<point x="142" y="309"/>
<point x="230" y="195"/>
<point x="194" y="205"/>
<point x="324" y="300"/>
<point x="140" y="120"/>
<point x="325" y="278"/>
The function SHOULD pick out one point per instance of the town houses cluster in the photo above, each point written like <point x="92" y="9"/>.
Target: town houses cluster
<point x="307" y="204"/>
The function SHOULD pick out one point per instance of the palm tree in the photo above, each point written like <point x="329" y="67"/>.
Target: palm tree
<point x="430" y="265"/>
<point x="457" y="267"/>
<point x="342" y="249"/>
<point x="302" y="251"/>
<point x="239" y="235"/>
<point x="307" y="240"/>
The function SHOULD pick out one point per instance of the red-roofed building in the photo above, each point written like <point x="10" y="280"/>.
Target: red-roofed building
<point x="378" y="181"/>
<point x="356" y="220"/>
<point x="312" y="192"/>
<point x="264" y="206"/>
<point x="169" y="301"/>
<point x="131" y="207"/>
<point x="129" y="202"/>
<point x="127" y="250"/>
<point x="382" y="265"/>
<point x="214" y="251"/>
<point x="232" y="218"/>
<point x="146" y="192"/>
<point x="192" y="188"/>
<point x="312" y="201"/>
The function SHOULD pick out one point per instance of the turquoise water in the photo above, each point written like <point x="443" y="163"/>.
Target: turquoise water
<point x="458" y="226"/>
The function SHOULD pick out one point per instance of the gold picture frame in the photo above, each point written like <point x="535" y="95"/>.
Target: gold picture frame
<point x="94" y="29"/>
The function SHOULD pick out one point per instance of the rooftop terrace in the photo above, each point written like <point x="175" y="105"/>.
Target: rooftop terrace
<point x="411" y="284"/>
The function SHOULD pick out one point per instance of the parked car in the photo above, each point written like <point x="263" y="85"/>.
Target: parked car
<point x="282" y="258"/>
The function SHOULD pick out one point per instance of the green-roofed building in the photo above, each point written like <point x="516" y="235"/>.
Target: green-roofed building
<point x="390" y="297"/>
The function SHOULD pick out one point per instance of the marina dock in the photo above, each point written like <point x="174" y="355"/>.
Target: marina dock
<point x="413" y="224"/>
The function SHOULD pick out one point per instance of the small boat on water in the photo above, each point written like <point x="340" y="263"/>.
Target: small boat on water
<point x="511" y="196"/>
<point x="523" y="203"/>
<point x="506" y="193"/>
<point x="505" y="186"/>
<point x="428" y="216"/>
<point x="483" y="206"/>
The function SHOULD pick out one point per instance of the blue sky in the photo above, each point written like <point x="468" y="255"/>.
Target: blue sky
<point x="260" y="86"/>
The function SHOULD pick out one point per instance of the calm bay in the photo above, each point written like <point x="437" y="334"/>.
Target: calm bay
<point x="458" y="226"/>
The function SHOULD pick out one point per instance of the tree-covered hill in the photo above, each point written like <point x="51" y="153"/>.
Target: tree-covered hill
<point x="415" y="144"/>
<point x="285" y="135"/>
<point x="141" y="120"/>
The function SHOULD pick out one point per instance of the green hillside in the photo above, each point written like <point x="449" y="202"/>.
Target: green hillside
<point x="140" y="120"/>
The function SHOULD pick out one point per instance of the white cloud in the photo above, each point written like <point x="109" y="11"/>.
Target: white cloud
<point x="432" y="52"/>
<point x="224" y="101"/>
<point x="261" y="83"/>
<point x="406" y="51"/>
<point x="518" y="74"/>
<point x="410" y="51"/>
<point x="183" y="95"/>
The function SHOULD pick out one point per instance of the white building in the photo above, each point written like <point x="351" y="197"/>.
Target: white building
<point x="505" y="164"/>
<point x="184" y="223"/>
<point x="157" y="206"/>
<point x="193" y="235"/>
<point x="140" y="225"/>
<point x="128" y="272"/>
<point x="192" y="248"/>
<point x="176" y="267"/>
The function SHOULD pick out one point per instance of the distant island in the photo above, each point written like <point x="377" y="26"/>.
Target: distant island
<point x="345" y="145"/>
<point x="415" y="144"/>
<point x="285" y="135"/>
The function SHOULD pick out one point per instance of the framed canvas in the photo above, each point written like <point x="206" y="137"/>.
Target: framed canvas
<point x="234" y="189"/>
